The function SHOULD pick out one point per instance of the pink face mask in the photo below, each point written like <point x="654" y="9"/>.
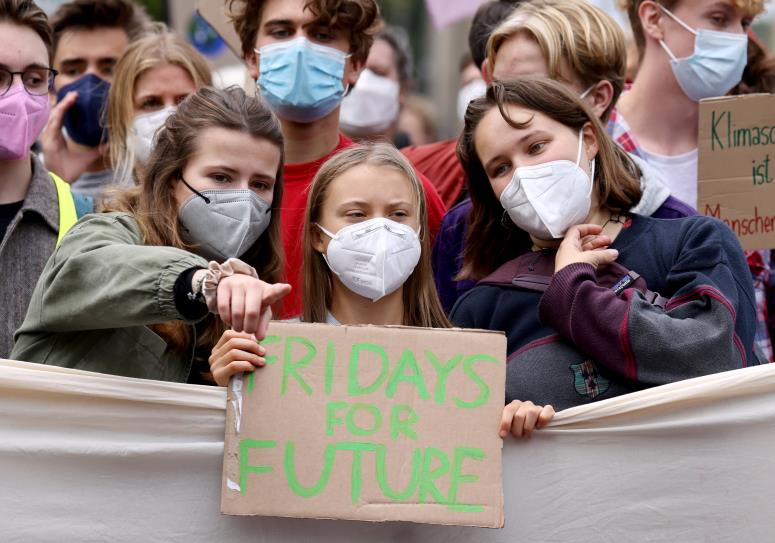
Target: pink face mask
<point x="22" y="118"/>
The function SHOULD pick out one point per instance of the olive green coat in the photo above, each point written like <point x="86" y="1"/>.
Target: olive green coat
<point x="96" y="297"/>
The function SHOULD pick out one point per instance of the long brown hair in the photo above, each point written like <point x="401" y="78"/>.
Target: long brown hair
<point x="153" y="203"/>
<point x="421" y="301"/>
<point x="492" y="241"/>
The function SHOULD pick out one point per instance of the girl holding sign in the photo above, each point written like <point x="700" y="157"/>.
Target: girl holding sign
<point x="608" y="302"/>
<point x="366" y="246"/>
<point x="366" y="252"/>
<point x="146" y="289"/>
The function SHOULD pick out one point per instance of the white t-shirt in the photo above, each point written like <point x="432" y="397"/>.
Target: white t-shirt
<point x="679" y="173"/>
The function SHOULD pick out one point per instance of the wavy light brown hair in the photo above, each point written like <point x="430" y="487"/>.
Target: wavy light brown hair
<point x="490" y="242"/>
<point x="358" y="19"/>
<point x="153" y="202"/>
<point x="421" y="301"/>
<point x="159" y="47"/>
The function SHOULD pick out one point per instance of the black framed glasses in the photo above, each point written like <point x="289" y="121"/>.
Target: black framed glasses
<point x="36" y="81"/>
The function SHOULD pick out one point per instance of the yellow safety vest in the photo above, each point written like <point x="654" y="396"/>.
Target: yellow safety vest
<point x="67" y="213"/>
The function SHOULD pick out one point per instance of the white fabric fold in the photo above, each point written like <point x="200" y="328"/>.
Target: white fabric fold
<point x="90" y="457"/>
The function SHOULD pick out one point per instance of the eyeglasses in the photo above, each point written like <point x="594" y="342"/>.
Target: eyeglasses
<point x="36" y="81"/>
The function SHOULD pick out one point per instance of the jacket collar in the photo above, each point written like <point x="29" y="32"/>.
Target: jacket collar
<point x="42" y="195"/>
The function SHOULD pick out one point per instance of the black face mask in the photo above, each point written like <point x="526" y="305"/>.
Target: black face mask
<point x="84" y="120"/>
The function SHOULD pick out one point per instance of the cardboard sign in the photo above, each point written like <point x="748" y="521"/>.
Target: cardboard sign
<point x="216" y="13"/>
<point x="736" y="148"/>
<point x="369" y="423"/>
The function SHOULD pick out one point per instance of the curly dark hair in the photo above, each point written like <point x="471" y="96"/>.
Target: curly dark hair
<point x="359" y="19"/>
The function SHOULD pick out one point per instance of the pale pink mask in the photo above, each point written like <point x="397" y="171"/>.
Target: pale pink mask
<point x="22" y="118"/>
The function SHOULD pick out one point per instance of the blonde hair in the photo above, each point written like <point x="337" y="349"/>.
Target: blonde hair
<point x="421" y="301"/>
<point x="584" y="36"/>
<point x="749" y="7"/>
<point x="160" y="47"/>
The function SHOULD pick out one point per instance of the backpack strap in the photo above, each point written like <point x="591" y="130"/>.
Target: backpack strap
<point x="654" y="298"/>
<point x="534" y="271"/>
<point x="530" y="271"/>
<point x="532" y="281"/>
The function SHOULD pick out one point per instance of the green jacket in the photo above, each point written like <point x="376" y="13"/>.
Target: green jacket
<point x="96" y="297"/>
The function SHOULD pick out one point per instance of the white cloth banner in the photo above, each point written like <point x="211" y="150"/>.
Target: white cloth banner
<point x="90" y="457"/>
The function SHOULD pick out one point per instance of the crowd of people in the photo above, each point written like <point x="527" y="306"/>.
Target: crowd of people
<point x="152" y="225"/>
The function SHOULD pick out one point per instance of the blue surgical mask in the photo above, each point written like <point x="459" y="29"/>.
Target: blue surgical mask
<point x="302" y="81"/>
<point x="716" y="65"/>
<point x="84" y="120"/>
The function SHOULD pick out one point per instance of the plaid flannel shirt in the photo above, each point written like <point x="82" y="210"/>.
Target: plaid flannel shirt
<point x="758" y="261"/>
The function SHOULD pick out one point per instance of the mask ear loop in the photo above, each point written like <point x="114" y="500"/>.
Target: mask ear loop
<point x="591" y="162"/>
<point x="677" y="20"/>
<point x="323" y="254"/>
<point x="326" y="232"/>
<point x="586" y="92"/>
<point x="192" y="189"/>
<point x="581" y="145"/>
<point x="680" y="22"/>
<point x="668" y="51"/>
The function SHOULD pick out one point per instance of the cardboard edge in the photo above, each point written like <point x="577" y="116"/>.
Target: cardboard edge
<point x="499" y="520"/>
<point x="206" y="15"/>
<point x="735" y="98"/>
<point x="228" y="419"/>
<point x="345" y="327"/>
<point x="496" y="518"/>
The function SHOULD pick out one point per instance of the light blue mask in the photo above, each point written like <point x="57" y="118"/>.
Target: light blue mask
<point x="716" y="65"/>
<point x="302" y="81"/>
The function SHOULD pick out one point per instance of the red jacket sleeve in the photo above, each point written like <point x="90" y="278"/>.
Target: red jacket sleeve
<point x="439" y="162"/>
<point x="435" y="206"/>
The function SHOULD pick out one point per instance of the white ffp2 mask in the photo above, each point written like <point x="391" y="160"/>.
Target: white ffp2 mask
<point x="471" y="91"/>
<point x="142" y="135"/>
<point x="371" y="107"/>
<point x="547" y="199"/>
<point x="373" y="258"/>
